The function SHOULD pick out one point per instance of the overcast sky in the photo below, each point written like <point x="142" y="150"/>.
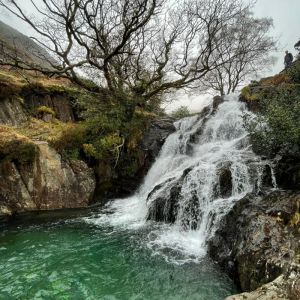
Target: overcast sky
<point x="286" y="17"/>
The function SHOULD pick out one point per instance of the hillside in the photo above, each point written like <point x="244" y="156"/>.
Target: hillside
<point x="13" y="43"/>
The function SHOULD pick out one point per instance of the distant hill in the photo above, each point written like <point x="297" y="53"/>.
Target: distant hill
<point x="17" y="44"/>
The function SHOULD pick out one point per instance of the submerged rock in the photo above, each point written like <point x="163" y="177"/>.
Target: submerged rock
<point x="47" y="183"/>
<point x="258" y="239"/>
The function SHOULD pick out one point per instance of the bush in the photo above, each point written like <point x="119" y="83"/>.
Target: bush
<point x="15" y="147"/>
<point x="277" y="128"/>
<point x="70" y="140"/>
<point x="246" y="94"/>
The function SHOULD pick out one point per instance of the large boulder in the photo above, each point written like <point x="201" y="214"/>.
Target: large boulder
<point x="47" y="183"/>
<point x="258" y="239"/>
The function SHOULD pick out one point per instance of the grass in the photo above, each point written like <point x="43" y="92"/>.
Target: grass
<point x="39" y="130"/>
<point x="21" y="80"/>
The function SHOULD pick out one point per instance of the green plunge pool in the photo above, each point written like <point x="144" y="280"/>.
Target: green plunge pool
<point x="72" y="259"/>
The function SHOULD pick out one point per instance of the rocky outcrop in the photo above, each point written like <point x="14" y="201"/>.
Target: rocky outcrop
<point x="259" y="239"/>
<point x="48" y="182"/>
<point x="59" y="102"/>
<point x="12" y="111"/>
<point x="155" y="137"/>
<point x="15" y="110"/>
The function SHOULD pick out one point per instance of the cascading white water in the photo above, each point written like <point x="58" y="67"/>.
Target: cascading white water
<point x="194" y="161"/>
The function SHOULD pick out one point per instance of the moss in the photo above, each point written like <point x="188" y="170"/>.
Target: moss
<point x="15" y="147"/>
<point x="45" y="110"/>
<point x="247" y="94"/>
<point x="295" y="220"/>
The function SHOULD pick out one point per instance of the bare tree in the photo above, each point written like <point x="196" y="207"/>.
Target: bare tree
<point x="137" y="49"/>
<point x="246" y="49"/>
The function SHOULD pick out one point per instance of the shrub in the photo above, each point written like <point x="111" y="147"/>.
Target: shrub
<point x="277" y="129"/>
<point x="71" y="137"/>
<point x="15" y="147"/>
<point x="294" y="72"/>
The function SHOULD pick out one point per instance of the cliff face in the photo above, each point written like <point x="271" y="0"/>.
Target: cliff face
<point x="53" y="180"/>
<point x="48" y="182"/>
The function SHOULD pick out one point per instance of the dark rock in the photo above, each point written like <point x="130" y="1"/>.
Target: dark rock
<point x="225" y="182"/>
<point x="163" y="200"/>
<point x="60" y="103"/>
<point x="118" y="182"/>
<point x="217" y="100"/>
<point x="255" y="242"/>
<point x="156" y="135"/>
<point x="287" y="172"/>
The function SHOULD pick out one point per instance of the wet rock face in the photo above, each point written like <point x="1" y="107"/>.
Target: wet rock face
<point x="155" y="137"/>
<point x="47" y="183"/>
<point x="257" y="240"/>
<point x="164" y="198"/>
<point x="225" y="182"/>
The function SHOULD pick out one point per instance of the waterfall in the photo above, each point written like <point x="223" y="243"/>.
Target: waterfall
<point x="202" y="170"/>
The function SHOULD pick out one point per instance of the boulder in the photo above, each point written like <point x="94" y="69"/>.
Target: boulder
<point x="258" y="239"/>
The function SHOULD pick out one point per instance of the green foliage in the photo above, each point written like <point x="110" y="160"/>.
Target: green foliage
<point x="181" y="112"/>
<point x="14" y="147"/>
<point x="45" y="110"/>
<point x="277" y="129"/>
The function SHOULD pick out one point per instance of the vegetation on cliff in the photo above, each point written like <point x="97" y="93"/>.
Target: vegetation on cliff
<point x="15" y="147"/>
<point x="276" y="100"/>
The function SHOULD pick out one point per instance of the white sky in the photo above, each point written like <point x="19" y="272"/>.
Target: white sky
<point x="286" y="17"/>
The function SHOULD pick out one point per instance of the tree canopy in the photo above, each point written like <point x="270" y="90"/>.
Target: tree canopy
<point x="134" y="48"/>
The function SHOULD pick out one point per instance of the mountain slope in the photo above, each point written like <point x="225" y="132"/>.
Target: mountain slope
<point x="15" y="44"/>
